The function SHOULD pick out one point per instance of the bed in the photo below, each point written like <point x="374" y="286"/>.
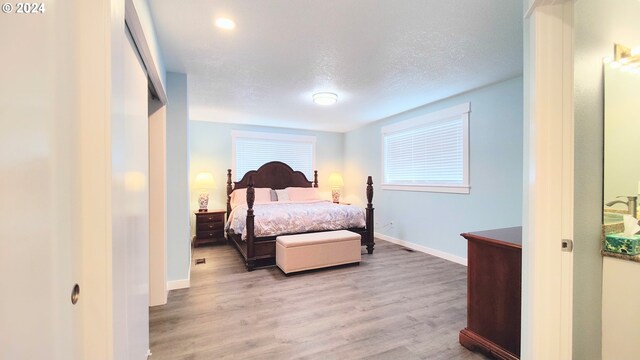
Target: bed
<point x="256" y="242"/>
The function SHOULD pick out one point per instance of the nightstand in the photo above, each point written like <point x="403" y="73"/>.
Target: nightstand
<point x="209" y="227"/>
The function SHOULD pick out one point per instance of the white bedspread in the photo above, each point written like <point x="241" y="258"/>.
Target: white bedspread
<point x="296" y="217"/>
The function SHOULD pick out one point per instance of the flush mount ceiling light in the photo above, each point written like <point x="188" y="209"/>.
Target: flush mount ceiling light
<point x="325" y="98"/>
<point x="225" y="23"/>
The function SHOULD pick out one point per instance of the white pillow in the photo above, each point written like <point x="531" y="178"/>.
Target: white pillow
<point x="302" y="194"/>
<point x="239" y="197"/>
<point x="283" y="195"/>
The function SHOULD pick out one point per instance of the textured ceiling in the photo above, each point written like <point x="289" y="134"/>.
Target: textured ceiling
<point x="381" y="57"/>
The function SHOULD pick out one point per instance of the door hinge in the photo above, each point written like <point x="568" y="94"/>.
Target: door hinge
<point x="567" y="245"/>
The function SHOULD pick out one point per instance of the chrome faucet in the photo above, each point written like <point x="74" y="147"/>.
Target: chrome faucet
<point x="631" y="203"/>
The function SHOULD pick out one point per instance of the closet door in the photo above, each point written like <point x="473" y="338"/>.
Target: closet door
<point x="130" y="212"/>
<point x="40" y="246"/>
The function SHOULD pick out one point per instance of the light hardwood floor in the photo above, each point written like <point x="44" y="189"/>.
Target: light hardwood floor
<point x="396" y="305"/>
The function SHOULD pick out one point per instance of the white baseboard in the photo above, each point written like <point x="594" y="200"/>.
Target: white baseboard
<point x="178" y="284"/>
<point x="184" y="283"/>
<point x="421" y="248"/>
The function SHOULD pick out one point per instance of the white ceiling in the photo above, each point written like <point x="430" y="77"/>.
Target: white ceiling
<point x="381" y="57"/>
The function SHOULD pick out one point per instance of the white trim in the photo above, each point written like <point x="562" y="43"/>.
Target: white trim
<point x="535" y="4"/>
<point x="430" y="188"/>
<point x="178" y="284"/>
<point x="133" y="23"/>
<point x="450" y="112"/>
<point x="97" y="43"/>
<point x="270" y="136"/>
<point x="423" y="249"/>
<point x="547" y="272"/>
<point x="568" y="181"/>
<point x="273" y="136"/>
<point x="158" y="206"/>
<point x="453" y="112"/>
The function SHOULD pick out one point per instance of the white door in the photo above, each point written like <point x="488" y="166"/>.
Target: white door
<point x="39" y="202"/>
<point x="130" y="212"/>
<point x="73" y="186"/>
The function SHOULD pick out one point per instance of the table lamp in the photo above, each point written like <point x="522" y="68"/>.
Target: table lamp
<point x="335" y="181"/>
<point x="204" y="182"/>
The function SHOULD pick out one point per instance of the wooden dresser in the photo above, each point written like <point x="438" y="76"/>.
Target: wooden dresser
<point x="494" y="282"/>
<point x="209" y="227"/>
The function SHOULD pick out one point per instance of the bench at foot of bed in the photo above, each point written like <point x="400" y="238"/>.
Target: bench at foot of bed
<point x="317" y="250"/>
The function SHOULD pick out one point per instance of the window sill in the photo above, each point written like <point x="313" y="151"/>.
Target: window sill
<point x="438" y="189"/>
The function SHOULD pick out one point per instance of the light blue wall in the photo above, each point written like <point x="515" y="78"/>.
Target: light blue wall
<point x="178" y="238"/>
<point x="210" y="149"/>
<point x="435" y="220"/>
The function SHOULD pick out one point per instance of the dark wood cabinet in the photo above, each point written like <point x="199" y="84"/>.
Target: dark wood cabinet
<point x="209" y="227"/>
<point x="494" y="283"/>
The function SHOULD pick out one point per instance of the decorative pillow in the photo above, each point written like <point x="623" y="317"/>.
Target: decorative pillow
<point x="274" y="196"/>
<point x="238" y="197"/>
<point x="283" y="195"/>
<point x="302" y="194"/>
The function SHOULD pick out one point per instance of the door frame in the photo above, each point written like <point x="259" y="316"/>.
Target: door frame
<point x="158" y="290"/>
<point x="547" y="307"/>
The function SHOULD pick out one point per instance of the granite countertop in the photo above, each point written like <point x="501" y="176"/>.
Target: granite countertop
<point x="616" y="211"/>
<point x="612" y="229"/>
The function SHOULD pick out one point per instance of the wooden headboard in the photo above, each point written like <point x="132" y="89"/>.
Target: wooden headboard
<point x="274" y="175"/>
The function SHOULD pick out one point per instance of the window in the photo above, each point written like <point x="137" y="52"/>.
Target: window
<point x="253" y="149"/>
<point x="428" y="153"/>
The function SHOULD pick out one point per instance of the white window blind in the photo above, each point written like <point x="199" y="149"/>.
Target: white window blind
<point x="428" y="153"/>
<point x="253" y="149"/>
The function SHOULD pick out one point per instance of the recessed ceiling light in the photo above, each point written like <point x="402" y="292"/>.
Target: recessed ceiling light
<point x="225" y="23"/>
<point x="325" y="98"/>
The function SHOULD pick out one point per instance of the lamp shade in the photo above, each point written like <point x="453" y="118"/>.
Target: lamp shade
<point x="335" y="180"/>
<point x="204" y="180"/>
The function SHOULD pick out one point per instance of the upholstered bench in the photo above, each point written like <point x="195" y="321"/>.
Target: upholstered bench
<point x="317" y="250"/>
